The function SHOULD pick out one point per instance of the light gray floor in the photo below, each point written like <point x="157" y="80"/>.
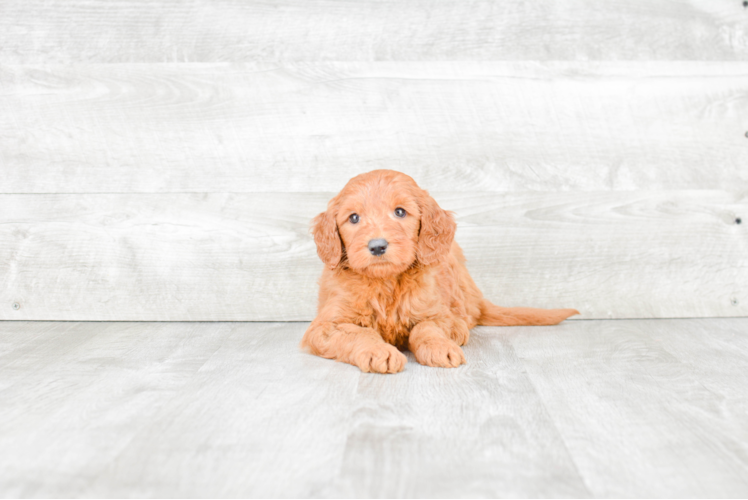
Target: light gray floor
<point x="588" y="408"/>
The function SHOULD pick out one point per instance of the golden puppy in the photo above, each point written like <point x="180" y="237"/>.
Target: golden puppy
<point x="395" y="278"/>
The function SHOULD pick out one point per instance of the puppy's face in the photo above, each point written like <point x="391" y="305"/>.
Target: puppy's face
<point x="382" y="223"/>
<point x="378" y="225"/>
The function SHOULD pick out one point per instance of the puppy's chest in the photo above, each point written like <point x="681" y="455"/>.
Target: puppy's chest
<point x="393" y="312"/>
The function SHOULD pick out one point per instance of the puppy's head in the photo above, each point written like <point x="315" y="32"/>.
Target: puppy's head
<point x="382" y="223"/>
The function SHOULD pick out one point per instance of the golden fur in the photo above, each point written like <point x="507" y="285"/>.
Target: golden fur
<point x="417" y="295"/>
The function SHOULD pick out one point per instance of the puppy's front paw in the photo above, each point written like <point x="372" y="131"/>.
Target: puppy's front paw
<point x="460" y="332"/>
<point x="440" y="352"/>
<point x="380" y="358"/>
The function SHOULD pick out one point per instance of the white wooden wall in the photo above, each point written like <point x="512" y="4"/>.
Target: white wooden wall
<point x="161" y="160"/>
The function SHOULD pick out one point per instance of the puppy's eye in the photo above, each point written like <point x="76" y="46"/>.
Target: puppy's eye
<point x="353" y="218"/>
<point x="400" y="212"/>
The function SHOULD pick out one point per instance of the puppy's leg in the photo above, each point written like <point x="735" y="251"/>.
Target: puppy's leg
<point x="353" y="344"/>
<point x="432" y="347"/>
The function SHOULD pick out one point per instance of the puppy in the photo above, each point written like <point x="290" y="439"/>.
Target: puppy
<point x="395" y="279"/>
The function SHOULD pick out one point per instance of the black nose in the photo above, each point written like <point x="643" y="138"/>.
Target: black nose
<point x="378" y="247"/>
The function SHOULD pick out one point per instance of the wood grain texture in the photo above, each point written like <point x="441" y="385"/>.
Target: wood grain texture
<point x="309" y="127"/>
<point x="651" y="408"/>
<point x="637" y="400"/>
<point x="143" y="409"/>
<point x="238" y="257"/>
<point x="479" y="432"/>
<point x="370" y="30"/>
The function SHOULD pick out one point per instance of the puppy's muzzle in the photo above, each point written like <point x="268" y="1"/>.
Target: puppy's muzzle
<point x="378" y="247"/>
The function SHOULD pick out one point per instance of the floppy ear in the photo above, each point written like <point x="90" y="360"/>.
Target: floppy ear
<point x="437" y="231"/>
<point x="327" y="238"/>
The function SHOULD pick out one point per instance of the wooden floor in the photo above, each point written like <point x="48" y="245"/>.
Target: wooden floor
<point x="618" y="408"/>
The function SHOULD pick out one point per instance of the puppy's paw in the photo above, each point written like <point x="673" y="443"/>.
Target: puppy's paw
<point x="440" y="352"/>
<point x="460" y="332"/>
<point x="380" y="358"/>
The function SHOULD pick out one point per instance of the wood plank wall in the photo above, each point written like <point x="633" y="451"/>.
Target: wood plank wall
<point x="161" y="160"/>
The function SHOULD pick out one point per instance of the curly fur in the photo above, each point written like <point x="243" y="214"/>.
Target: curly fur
<point x="417" y="295"/>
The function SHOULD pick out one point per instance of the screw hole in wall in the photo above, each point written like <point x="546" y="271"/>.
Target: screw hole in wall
<point x="16" y="306"/>
<point x="738" y="220"/>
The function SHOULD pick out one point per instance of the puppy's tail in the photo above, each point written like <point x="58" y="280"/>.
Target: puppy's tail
<point x="493" y="315"/>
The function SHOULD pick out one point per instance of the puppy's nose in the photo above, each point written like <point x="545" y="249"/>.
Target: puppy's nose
<point x="378" y="247"/>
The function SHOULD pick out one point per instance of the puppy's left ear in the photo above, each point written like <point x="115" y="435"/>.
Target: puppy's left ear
<point x="327" y="238"/>
<point x="437" y="231"/>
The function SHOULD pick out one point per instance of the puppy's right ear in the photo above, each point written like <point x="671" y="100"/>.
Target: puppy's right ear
<point x="327" y="238"/>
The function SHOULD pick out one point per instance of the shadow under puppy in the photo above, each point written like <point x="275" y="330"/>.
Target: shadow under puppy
<point x="395" y="278"/>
